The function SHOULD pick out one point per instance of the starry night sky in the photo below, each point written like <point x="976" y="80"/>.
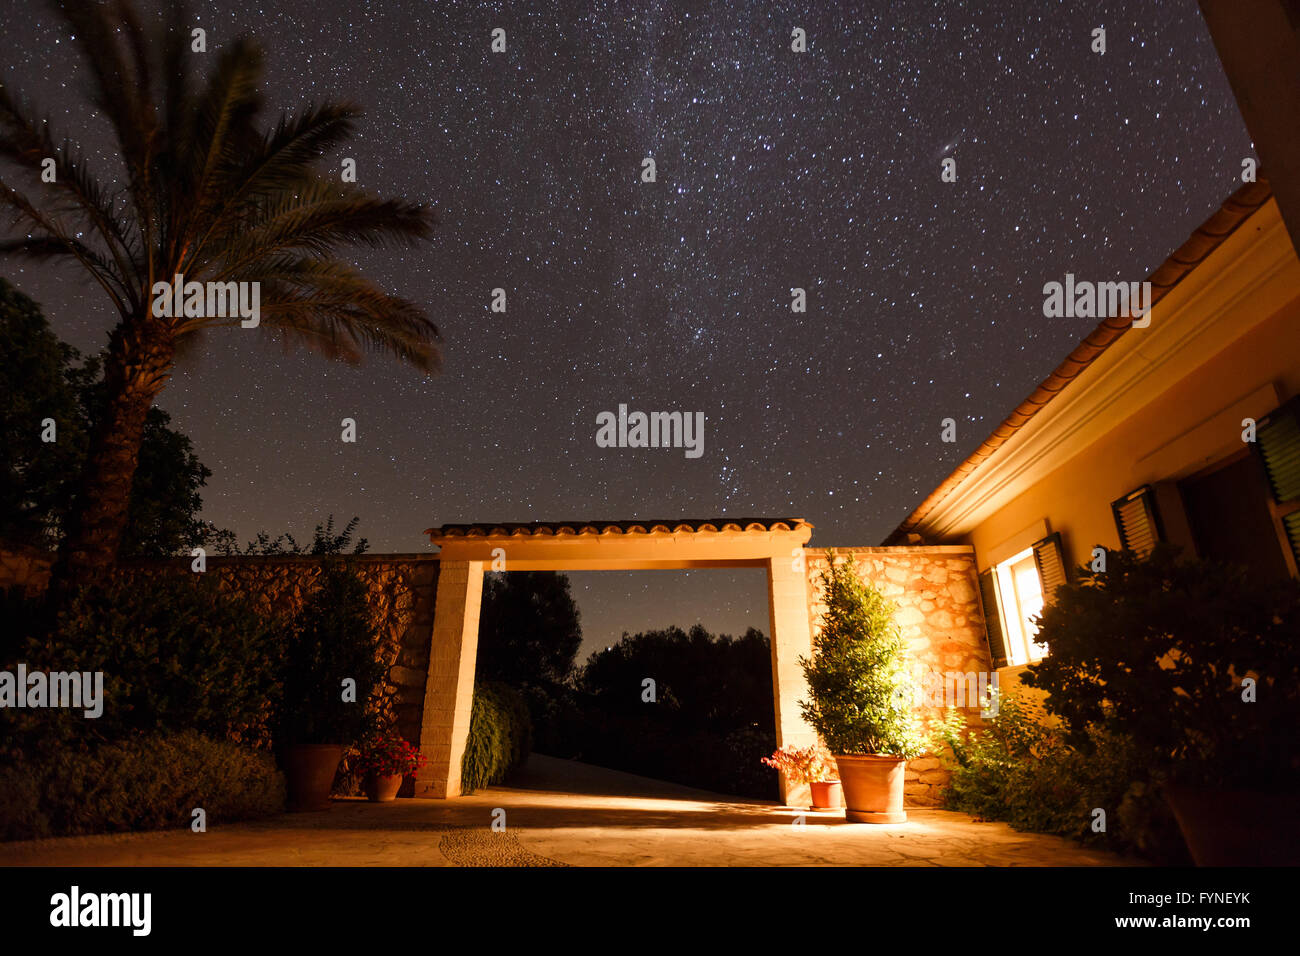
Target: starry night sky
<point x="775" y="170"/>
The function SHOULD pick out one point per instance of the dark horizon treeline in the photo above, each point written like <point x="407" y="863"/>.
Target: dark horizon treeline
<point x="705" y="721"/>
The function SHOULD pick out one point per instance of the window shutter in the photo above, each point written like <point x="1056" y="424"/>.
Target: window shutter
<point x="1277" y="447"/>
<point x="1292" y="525"/>
<point x="1051" y="564"/>
<point x="1137" y="521"/>
<point x="992" y="619"/>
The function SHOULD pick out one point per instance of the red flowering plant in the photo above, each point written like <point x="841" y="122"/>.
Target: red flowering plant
<point x="804" y="764"/>
<point x="389" y="755"/>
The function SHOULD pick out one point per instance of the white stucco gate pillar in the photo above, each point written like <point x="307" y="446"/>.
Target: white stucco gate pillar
<point x="787" y="598"/>
<point x="449" y="688"/>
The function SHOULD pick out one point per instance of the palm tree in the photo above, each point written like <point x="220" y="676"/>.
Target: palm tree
<point x="208" y="193"/>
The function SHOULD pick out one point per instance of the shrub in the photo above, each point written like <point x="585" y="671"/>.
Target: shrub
<point x="860" y="688"/>
<point x="1021" y="771"/>
<point x="1156" y="651"/>
<point x="1144" y="680"/>
<point x="146" y="782"/>
<point x="176" y="654"/>
<point x="500" y="736"/>
<point x="333" y="638"/>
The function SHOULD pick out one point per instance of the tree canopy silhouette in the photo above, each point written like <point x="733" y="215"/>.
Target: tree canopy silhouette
<point x="43" y="380"/>
<point x="529" y="628"/>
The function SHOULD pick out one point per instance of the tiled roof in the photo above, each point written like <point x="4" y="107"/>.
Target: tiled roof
<point x="670" y="525"/>
<point x="1236" y="210"/>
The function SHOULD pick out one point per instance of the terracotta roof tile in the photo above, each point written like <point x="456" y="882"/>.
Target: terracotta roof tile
<point x="641" y="526"/>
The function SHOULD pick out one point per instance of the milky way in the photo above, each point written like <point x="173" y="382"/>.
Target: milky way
<point x="775" y="170"/>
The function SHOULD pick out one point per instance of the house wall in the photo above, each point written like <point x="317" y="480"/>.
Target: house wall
<point x="935" y="590"/>
<point x="1193" y="424"/>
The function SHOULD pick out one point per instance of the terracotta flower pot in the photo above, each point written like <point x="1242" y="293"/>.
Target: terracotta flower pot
<point x="381" y="788"/>
<point x="310" y="769"/>
<point x="1237" y="827"/>
<point x="827" y="794"/>
<point x="873" y="788"/>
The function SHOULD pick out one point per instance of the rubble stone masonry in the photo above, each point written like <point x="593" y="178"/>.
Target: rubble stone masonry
<point x="936" y="592"/>
<point x="935" y="589"/>
<point x="401" y="595"/>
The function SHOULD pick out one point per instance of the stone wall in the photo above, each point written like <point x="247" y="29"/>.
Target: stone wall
<point x="936" y="591"/>
<point x="401" y="596"/>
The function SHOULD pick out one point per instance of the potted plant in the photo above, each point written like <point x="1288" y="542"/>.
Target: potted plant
<point x="813" y="766"/>
<point x="331" y="673"/>
<point x="861" y="695"/>
<point x="385" y="760"/>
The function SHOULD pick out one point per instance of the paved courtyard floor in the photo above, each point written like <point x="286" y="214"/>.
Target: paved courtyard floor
<point x="559" y="812"/>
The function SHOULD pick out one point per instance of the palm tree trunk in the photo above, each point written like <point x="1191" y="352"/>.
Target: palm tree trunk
<point x="139" y="362"/>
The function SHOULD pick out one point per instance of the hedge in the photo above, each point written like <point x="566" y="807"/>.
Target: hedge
<point x="146" y="782"/>
<point x="176" y="652"/>
<point x="500" y="736"/>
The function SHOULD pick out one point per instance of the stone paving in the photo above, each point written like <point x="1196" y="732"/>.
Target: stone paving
<point x="559" y="812"/>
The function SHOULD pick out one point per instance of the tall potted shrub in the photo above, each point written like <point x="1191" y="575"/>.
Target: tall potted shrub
<point x="332" y="672"/>
<point x="861" y="695"/>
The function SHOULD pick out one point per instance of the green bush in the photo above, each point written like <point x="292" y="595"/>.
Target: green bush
<point x="858" y="681"/>
<point x="500" y="736"/>
<point x="1157" y="650"/>
<point x="146" y="782"/>
<point x="1023" y="772"/>
<point x="333" y="638"/>
<point x="1144" y="680"/>
<point x="176" y="653"/>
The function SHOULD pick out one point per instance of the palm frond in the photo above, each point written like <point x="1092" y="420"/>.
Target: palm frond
<point x="344" y="330"/>
<point x="278" y="162"/>
<point x="318" y="218"/>
<point x="225" y="111"/>
<point x="121" y="82"/>
<point x="332" y="308"/>
<point x="27" y="144"/>
<point x="44" y="234"/>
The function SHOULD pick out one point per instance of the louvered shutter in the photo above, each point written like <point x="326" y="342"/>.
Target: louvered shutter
<point x="1051" y="564"/>
<point x="1277" y="447"/>
<point x="1137" y="521"/>
<point x="992" y="619"/>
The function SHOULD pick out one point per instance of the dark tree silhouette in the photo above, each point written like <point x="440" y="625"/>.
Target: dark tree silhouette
<point x="529" y="628"/>
<point x="325" y="540"/>
<point x="41" y="379"/>
<point x="711" y="719"/>
<point x="701" y="680"/>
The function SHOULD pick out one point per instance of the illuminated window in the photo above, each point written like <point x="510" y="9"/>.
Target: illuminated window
<point x="1022" y="600"/>
<point x="1014" y="592"/>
